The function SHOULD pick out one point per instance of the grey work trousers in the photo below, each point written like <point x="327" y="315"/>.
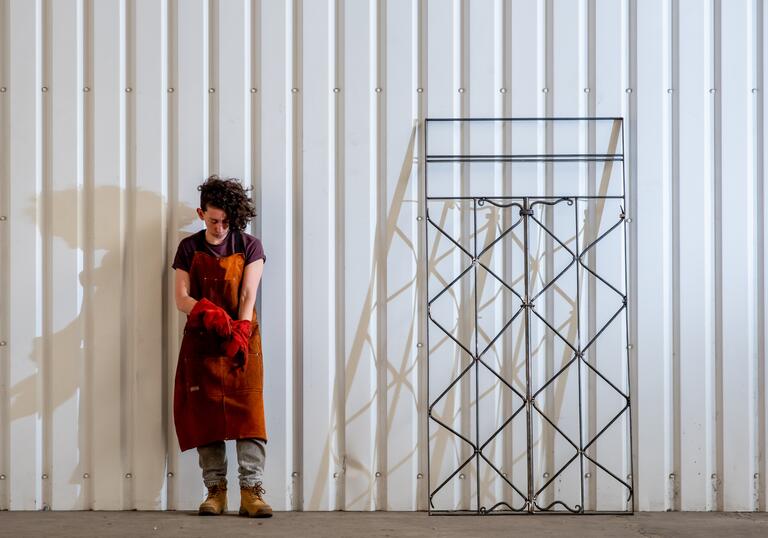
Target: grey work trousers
<point x="251" y="454"/>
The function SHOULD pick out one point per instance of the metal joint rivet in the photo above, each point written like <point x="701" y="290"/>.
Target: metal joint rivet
<point x="419" y="90"/>
<point x="419" y="476"/>
<point x="461" y="476"/>
<point x="45" y="476"/>
<point x="211" y="90"/>
<point x="461" y="90"/>
<point x="128" y="475"/>
<point x="545" y="90"/>
<point x="378" y="90"/>
<point x="588" y="475"/>
<point x="86" y="475"/>
<point x="44" y="89"/>
<point x="502" y="90"/>
<point x="254" y="90"/>
<point x="86" y="89"/>
<point x="378" y="474"/>
<point x="336" y="90"/>
<point x="170" y="474"/>
<point x="294" y="90"/>
<point x="128" y="90"/>
<point x="294" y="474"/>
<point x="171" y="90"/>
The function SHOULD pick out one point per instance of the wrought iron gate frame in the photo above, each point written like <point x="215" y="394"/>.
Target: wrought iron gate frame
<point x="526" y="204"/>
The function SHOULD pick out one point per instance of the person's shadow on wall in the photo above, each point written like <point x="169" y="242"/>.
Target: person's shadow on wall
<point x="91" y="348"/>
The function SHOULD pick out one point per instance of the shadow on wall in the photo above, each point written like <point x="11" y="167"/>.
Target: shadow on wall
<point x="91" y="345"/>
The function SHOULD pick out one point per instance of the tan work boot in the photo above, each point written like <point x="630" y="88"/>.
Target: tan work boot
<point x="252" y="503"/>
<point x="216" y="501"/>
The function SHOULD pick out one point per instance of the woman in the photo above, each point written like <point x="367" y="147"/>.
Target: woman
<point x="218" y="393"/>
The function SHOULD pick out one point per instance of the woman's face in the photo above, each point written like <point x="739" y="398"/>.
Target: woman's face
<point x="216" y="221"/>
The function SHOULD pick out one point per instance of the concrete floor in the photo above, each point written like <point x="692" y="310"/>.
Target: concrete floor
<point x="375" y="524"/>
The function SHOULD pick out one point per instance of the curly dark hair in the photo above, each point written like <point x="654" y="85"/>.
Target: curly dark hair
<point x="229" y="195"/>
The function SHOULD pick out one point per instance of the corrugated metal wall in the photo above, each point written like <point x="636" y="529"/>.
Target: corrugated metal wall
<point x="113" y="111"/>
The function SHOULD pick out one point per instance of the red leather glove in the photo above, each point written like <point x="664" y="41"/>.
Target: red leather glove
<point x="238" y="343"/>
<point x="212" y="318"/>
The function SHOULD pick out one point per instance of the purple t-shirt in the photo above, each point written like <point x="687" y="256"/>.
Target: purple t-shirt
<point x="235" y="241"/>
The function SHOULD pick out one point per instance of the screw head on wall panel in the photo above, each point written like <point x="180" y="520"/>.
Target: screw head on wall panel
<point x="461" y="476"/>
<point x="378" y="90"/>
<point x="629" y="346"/>
<point x="294" y="474"/>
<point x="128" y="90"/>
<point x="2" y="477"/>
<point x="419" y="90"/>
<point x="546" y="475"/>
<point x="3" y="217"/>
<point x="254" y="90"/>
<point x="128" y="475"/>
<point x="588" y="475"/>
<point x="545" y="90"/>
<point x="669" y="90"/>
<point x="3" y="89"/>
<point x="335" y="475"/>
<point x="45" y="476"/>
<point x="587" y="90"/>
<point x="171" y="90"/>
<point x="628" y="90"/>
<point x="3" y="343"/>
<point x="336" y="90"/>
<point x="170" y="474"/>
<point x="419" y="476"/>
<point x="757" y="475"/>
<point x="378" y="474"/>
<point x="629" y="477"/>
<point x="419" y="344"/>
<point x="672" y="476"/>
<point x="754" y="90"/>
<point x="502" y="90"/>
<point x="294" y="90"/>
<point x="211" y="90"/>
<point x="86" y="475"/>
<point x="419" y="218"/>
<point x="712" y="90"/>
<point x="86" y="89"/>
<point x="714" y="476"/>
<point x="461" y="90"/>
<point x="44" y="89"/>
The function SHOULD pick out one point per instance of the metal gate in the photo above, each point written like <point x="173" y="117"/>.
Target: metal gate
<point x="528" y="363"/>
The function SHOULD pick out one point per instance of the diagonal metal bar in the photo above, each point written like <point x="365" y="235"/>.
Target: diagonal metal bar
<point x="506" y="326"/>
<point x="601" y="279"/>
<point x="500" y="378"/>
<point x="454" y="473"/>
<point x="454" y="432"/>
<point x="610" y="473"/>
<point x="448" y="236"/>
<point x="500" y="428"/>
<point x="565" y="340"/>
<point x="600" y="374"/>
<point x="604" y="428"/>
<point x="501" y="280"/>
<point x="603" y="329"/>
<point x="602" y="236"/>
<point x="449" y="335"/>
<point x="558" y="430"/>
<point x="446" y="288"/>
<point x="501" y="475"/>
<point x="558" y="473"/>
<point x="500" y="237"/>
<point x="552" y="379"/>
<point x="450" y="386"/>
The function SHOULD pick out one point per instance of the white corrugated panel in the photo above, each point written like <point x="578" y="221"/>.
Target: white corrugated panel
<point x="113" y="114"/>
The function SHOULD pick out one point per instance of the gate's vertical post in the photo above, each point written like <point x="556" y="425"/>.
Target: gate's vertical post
<point x="525" y="212"/>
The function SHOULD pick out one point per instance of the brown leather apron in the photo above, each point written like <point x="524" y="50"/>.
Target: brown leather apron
<point x="214" y="398"/>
